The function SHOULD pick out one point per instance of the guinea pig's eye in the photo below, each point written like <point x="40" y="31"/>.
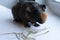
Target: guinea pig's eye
<point x="44" y="6"/>
<point x="30" y="4"/>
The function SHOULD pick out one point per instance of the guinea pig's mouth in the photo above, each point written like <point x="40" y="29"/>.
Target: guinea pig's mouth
<point x="43" y="17"/>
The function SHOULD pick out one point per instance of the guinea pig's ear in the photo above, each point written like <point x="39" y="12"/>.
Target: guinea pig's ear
<point x="44" y="6"/>
<point x="31" y="0"/>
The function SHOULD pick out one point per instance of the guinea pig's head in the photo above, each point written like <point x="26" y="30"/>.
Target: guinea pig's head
<point x="36" y="12"/>
<point x="42" y="14"/>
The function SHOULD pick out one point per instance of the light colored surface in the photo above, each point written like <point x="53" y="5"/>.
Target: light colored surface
<point x="54" y="6"/>
<point x="40" y="1"/>
<point x="7" y="26"/>
<point x="58" y="0"/>
<point x="8" y="3"/>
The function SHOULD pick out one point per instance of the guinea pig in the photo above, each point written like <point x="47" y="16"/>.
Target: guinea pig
<point x="29" y="12"/>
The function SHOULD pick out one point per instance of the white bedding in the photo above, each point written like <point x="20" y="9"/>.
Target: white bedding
<point x="8" y="26"/>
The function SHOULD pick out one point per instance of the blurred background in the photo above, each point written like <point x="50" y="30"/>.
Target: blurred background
<point x="53" y="19"/>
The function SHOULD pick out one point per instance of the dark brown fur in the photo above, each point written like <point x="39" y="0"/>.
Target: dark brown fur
<point x="28" y="12"/>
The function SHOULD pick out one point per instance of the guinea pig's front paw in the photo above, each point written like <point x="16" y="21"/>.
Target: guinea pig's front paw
<point x="27" y="25"/>
<point x="36" y="25"/>
<point x="15" y="20"/>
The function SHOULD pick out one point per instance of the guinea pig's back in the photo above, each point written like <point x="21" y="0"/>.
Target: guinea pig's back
<point x="15" y="10"/>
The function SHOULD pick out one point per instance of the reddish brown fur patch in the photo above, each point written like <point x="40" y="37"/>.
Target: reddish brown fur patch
<point x="44" y="17"/>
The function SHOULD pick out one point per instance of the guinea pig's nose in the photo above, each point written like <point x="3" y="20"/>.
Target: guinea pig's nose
<point x="43" y="17"/>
